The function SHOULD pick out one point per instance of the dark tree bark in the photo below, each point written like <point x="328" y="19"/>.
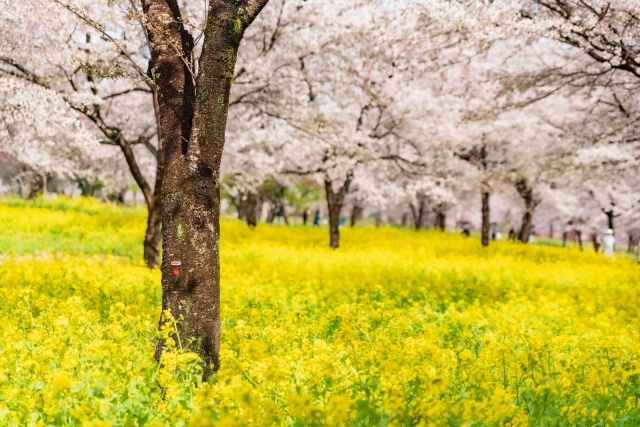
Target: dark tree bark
<point x="441" y="219"/>
<point x="485" y="218"/>
<point x="530" y="204"/>
<point x="595" y="241"/>
<point x="153" y="235"/>
<point x="192" y="120"/>
<point x="356" y="213"/>
<point x="417" y="213"/>
<point x="478" y="156"/>
<point x="335" y="201"/>
<point x="246" y="204"/>
<point x="634" y="237"/>
<point x="251" y="209"/>
<point x="610" y="219"/>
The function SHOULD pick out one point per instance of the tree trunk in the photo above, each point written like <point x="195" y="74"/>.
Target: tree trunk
<point x="239" y="204"/>
<point x="526" y="226"/>
<point x="610" y="219"/>
<point x="251" y="209"/>
<point x="356" y="213"/>
<point x="485" y="218"/>
<point x="530" y="204"/>
<point x="44" y="185"/>
<point x="417" y="213"/>
<point x="335" y="200"/>
<point x="441" y="219"/>
<point x="271" y="215"/>
<point x="192" y="121"/>
<point x="153" y="235"/>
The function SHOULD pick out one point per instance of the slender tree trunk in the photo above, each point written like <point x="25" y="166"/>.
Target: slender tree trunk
<point x="441" y="219"/>
<point x="485" y="218"/>
<point x="153" y="235"/>
<point x="271" y="215"/>
<point x="239" y="204"/>
<point x="192" y="122"/>
<point x="335" y="200"/>
<point x="610" y="219"/>
<point x="356" y="213"/>
<point x="526" y="226"/>
<point x="246" y="204"/>
<point x="417" y="213"/>
<point x="44" y="185"/>
<point x="251" y="209"/>
<point x="530" y="204"/>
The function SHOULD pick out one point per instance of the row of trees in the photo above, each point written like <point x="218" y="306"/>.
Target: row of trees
<point x="382" y="103"/>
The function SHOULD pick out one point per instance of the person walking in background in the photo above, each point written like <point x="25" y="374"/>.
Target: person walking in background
<point x="466" y="228"/>
<point x="608" y="242"/>
<point x="305" y="216"/>
<point x="316" y="217"/>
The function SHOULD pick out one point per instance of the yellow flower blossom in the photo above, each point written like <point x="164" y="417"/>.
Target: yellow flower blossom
<point x="395" y="328"/>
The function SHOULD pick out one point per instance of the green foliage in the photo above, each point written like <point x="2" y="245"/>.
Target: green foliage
<point x="305" y="193"/>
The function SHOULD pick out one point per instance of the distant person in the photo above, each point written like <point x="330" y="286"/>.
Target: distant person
<point x="532" y="236"/>
<point x="305" y="217"/>
<point x="512" y="235"/>
<point x="494" y="231"/>
<point x="316" y="217"/>
<point x="466" y="228"/>
<point x="280" y="215"/>
<point x="608" y="242"/>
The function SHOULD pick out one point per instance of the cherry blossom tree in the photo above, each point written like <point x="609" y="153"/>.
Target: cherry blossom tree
<point x="94" y="60"/>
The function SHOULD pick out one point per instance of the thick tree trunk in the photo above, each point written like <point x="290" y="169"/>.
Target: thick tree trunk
<point x="192" y="121"/>
<point x="485" y="218"/>
<point x="335" y="200"/>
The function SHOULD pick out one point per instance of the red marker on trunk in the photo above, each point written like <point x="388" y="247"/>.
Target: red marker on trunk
<point x="175" y="267"/>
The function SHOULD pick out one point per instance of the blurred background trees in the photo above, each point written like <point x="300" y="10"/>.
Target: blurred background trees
<point x="519" y="116"/>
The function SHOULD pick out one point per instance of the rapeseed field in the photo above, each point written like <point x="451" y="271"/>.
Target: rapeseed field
<point x="394" y="328"/>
